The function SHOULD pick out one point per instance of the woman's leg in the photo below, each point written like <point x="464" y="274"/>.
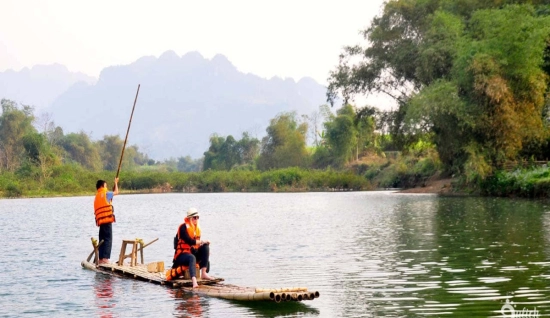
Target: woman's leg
<point x="203" y="255"/>
<point x="186" y="259"/>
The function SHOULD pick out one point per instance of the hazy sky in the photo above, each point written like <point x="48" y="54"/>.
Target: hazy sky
<point x="267" y="38"/>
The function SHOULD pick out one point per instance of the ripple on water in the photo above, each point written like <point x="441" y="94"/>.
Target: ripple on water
<point x="383" y="255"/>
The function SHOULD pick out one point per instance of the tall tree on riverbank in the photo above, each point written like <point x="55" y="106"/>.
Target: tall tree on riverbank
<point x="15" y="124"/>
<point x="469" y="73"/>
<point x="79" y="148"/>
<point x="228" y="153"/>
<point x="285" y="143"/>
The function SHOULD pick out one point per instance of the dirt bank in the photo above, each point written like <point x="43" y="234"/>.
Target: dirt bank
<point x="441" y="186"/>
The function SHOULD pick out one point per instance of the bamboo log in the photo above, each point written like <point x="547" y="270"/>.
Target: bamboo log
<point x="280" y="290"/>
<point x="220" y="290"/>
<point x="88" y="265"/>
<point x="95" y="250"/>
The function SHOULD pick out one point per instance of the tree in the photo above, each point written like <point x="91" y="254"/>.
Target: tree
<point x="285" y="143"/>
<point x="227" y="153"/>
<point x="248" y="149"/>
<point x="186" y="164"/>
<point x="110" y="149"/>
<point x="469" y="73"/>
<point x="79" y="148"/>
<point x="40" y="154"/>
<point x="15" y="123"/>
<point x="222" y="153"/>
<point x="341" y="135"/>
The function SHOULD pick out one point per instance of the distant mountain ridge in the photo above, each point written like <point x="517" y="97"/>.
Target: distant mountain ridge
<point x="40" y="85"/>
<point x="183" y="100"/>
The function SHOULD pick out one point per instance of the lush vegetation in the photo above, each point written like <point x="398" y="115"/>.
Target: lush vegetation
<point x="49" y="162"/>
<point x="469" y="76"/>
<point x="470" y="81"/>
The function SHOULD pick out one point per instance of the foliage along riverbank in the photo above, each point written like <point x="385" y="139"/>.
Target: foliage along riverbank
<point x="73" y="180"/>
<point x="417" y="174"/>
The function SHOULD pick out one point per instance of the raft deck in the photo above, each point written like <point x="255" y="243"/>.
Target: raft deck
<point x="213" y="287"/>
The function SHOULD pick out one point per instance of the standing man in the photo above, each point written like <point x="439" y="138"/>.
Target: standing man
<point x="104" y="218"/>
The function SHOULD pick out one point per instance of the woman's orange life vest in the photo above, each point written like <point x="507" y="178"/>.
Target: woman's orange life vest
<point x="194" y="234"/>
<point x="103" y="209"/>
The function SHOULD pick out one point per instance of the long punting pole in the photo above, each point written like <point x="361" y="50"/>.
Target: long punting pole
<point x="127" y="131"/>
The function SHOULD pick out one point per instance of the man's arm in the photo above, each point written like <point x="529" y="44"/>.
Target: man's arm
<point x="115" y="190"/>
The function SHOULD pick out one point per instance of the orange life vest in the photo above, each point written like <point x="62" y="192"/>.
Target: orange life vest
<point x="102" y="208"/>
<point x="183" y="247"/>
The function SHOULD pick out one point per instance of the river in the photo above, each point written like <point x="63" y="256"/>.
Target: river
<point x="369" y="254"/>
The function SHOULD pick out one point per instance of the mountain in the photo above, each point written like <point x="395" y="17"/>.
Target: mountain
<point x="182" y="101"/>
<point x="40" y="85"/>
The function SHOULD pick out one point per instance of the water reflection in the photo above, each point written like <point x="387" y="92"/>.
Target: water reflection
<point x="188" y="304"/>
<point x="272" y="309"/>
<point x="456" y="256"/>
<point x="104" y="295"/>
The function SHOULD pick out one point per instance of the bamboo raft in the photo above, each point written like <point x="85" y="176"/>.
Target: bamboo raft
<point x="154" y="273"/>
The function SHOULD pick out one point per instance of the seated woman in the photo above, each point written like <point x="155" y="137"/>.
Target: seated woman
<point x="190" y="249"/>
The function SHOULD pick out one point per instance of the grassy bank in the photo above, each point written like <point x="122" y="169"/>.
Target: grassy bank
<point x="414" y="169"/>
<point x="531" y="182"/>
<point x="73" y="180"/>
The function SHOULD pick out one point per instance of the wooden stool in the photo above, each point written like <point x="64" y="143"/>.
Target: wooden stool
<point x="186" y="274"/>
<point x="133" y="258"/>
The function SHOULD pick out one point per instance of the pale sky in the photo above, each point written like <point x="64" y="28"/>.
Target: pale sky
<point x="268" y="38"/>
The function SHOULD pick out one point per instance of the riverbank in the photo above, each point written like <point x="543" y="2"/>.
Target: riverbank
<point x="440" y="186"/>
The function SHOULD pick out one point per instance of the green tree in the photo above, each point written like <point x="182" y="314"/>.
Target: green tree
<point x="500" y="77"/>
<point x="15" y="123"/>
<point x="41" y="154"/>
<point x="469" y="73"/>
<point x="110" y="149"/>
<point x="227" y="153"/>
<point x="79" y="148"/>
<point x="285" y="143"/>
<point x="248" y="149"/>
<point x="341" y="135"/>
<point x="187" y="164"/>
<point x="222" y="154"/>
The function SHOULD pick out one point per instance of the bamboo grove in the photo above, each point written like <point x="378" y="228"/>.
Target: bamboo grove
<point x="471" y="76"/>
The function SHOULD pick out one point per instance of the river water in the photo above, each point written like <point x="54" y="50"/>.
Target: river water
<point x="369" y="254"/>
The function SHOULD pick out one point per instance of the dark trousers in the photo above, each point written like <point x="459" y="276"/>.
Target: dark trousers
<point x="200" y="256"/>
<point x="105" y="234"/>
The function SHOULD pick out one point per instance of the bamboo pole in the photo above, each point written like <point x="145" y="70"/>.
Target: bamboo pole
<point x="94" y="251"/>
<point x="127" y="131"/>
